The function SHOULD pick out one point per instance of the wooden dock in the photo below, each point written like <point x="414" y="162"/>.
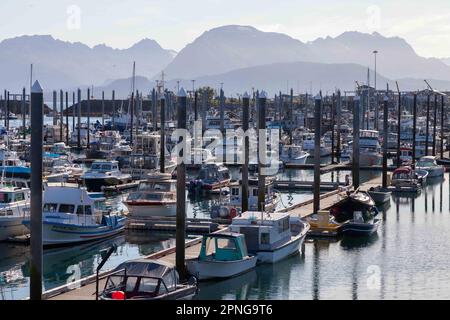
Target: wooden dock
<point x="84" y="289"/>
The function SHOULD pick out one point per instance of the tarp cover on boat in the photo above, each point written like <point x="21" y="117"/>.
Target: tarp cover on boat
<point x="151" y="268"/>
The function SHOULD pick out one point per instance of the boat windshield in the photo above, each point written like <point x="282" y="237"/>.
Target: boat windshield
<point x="157" y="186"/>
<point x="101" y="167"/>
<point x="425" y="163"/>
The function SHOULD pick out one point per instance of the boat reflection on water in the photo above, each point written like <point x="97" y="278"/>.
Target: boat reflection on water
<point x="235" y="288"/>
<point x="263" y="282"/>
<point x="149" y="243"/>
<point x="63" y="265"/>
<point x="350" y="243"/>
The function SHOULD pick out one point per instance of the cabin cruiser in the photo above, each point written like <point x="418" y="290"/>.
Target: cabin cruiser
<point x="222" y="255"/>
<point x="211" y="177"/>
<point x="155" y="197"/>
<point x="232" y="206"/>
<point x="14" y="207"/>
<point x="309" y="145"/>
<point x="429" y="164"/>
<point x="104" y="173"/>
<point x="271" y="236"/>
<point x="293" y="155"/>
<point x="146" y="279"/>
<point x="405" y="179"/>
<point x="12" y="166"/>
<point x="72" y="215"/>
<point x="369" y="149"/>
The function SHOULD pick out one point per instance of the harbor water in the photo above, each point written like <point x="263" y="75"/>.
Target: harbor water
<point x="406" y="259"/>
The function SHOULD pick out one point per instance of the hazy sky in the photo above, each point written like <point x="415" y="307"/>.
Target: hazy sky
<point x="174" y="23"/>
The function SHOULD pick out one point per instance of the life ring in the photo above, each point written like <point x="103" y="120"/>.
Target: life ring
<point x="233" y="213"/>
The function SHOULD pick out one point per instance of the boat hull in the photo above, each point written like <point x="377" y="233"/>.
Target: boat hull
<point x="211" y="269"/>
<point x="380" y="197"/>
<point x="138" y="210"/>
<point x="360" y="229"/>
<point x="96" y="184"/>
<point x="59" y="234"/>
<point x="11" y="227"/>
<point x="282" y="252"/>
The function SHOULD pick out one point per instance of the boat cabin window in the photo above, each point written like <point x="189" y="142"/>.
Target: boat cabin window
<point x="148" y="285"/>
<point x="283" y="225"/>
<point x="226" y="244"/>
<point x="265" y="238"/>
<point x="5" y="197"/>
<point x="84" y="210"/>
<point x="66" y="208"/>
<point x="255" y="192"/>
<point x="50" y="207"/>
<point x="234" y="191"/>
<point x="19" y="196"/>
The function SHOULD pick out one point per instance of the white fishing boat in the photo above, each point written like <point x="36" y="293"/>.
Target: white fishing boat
<point x="222" y="255"/>
<point x="429" y="164"/>
<point x="293" y="155"/>
<point x="72" y="215"/>
<point x="155" y="197"/>
<point x="104" y="173"/>
<point x="14" y="208"/>
<point x="271" y="236"/>
<point x="369" y="149"/>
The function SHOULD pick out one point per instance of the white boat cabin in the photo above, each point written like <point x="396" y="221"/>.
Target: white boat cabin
<point x="262" y="230"/>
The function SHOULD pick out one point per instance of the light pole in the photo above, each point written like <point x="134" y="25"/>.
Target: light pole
<point x="375" y="88"/>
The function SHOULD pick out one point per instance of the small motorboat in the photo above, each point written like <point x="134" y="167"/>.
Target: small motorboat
<point x="222" y="255"/>
<point x="145" y="279"/>
<point x="211" y="177"/>
<point x="356" y="212"/>
<point x="404" y="179"/>
<point x="104" y="173"/>
<point x="361" y="225"/>
<point x="429" y="164"/>
<point x="271" y="236"/>
<point x="379" y="195"/>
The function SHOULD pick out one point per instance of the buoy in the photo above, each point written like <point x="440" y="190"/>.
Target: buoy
<point x="118" y="295"/>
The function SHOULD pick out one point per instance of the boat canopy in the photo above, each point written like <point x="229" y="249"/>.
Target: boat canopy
<point x="147" y="268"/>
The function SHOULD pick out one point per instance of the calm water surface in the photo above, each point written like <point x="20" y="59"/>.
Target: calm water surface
<point x="407" y="259"/>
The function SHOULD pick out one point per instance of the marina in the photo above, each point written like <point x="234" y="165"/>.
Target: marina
<point x="243" y="167"/>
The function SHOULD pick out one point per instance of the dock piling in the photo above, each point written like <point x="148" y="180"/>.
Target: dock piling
<point x="414" y="131"/>
<point x="385" y="139"/>
<point x="245" y="120"/>
<point x="36" y="192"/>
<point x="181" y="188"/>
<point x="24" y="114"/>
<point x="162" y="155"/>
<point x="355" y="153"/>
<point x="317" y="136"/>
<point x="262" y="156"/>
